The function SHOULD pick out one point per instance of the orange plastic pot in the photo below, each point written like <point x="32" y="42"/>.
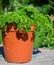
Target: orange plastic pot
<point x="17" y="46"/>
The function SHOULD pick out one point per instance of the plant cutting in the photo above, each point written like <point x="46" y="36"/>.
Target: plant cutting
<point x="18" y="35"/>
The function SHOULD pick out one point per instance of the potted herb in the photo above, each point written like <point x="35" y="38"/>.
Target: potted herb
<point x="18" y="34"/>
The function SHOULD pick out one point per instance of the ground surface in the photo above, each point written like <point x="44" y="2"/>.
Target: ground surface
<point x="46" y="57"/>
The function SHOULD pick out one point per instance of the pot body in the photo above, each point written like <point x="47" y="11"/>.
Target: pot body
<point x="17" y="46"/>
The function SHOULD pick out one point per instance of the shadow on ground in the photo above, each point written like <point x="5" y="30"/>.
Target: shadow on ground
<point x="2" y="51"/>
<point x="36" y="50"/>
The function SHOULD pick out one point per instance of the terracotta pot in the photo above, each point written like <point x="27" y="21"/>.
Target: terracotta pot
<point x="9" y="27"/>
<point x="33" y="27"/>
<point x="17" y="46"/>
